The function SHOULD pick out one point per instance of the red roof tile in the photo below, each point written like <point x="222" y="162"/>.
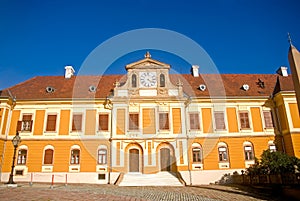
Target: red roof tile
<point x="217" y="85"/>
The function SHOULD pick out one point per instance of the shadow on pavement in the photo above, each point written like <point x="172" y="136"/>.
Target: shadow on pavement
<point x="270" y="193"/>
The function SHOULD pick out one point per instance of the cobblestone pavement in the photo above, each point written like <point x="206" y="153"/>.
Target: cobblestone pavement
<point x="43" y="192"/>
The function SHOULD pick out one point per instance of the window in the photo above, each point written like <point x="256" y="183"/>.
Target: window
<point x="25" y="124"/>
<point x="48" y="157"/>
<point x="219" y="120"/>
<point x="163" y="121"/>
<point x="101" y="176"/>
<point x="19" y="172"/>
<point x="75" y="156"/>
<point x="103" y="122"/>
<point x="22" y="156"/>
<point x="223" y="155"/>
<point x="102" y="156"/>
<point x="268" y="119"/>
<point x="134" y="121"/>
<point x="77" y="122"/>
<point x="272" y="147"/>
<point x="197" y="155"/>
<point x="162" y="81"/>
<point x="51" y="122"/>
<point x="133" y="80"/>
<point x="244" y="120"/>
<point x="249" y="155"/>
<point x="194" y="121"/>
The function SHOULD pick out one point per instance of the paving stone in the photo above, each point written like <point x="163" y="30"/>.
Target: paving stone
<point x="43" y="192"/>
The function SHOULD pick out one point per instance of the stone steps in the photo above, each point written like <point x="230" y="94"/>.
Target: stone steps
<point x="158" y="179"/>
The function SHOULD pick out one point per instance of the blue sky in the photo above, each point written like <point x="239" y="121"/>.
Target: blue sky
<point x="241" y="36"/>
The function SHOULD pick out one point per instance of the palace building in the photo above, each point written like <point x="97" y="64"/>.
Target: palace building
<point x="102" y="129"/>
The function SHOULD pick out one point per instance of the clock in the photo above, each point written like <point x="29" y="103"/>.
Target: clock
<point x="148" y="79"/>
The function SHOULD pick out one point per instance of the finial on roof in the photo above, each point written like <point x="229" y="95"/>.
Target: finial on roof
<point x="147" y="55"/>
<point x="289" y="39"/>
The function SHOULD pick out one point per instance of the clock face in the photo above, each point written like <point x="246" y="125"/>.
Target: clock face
<point x="148" y="79"/>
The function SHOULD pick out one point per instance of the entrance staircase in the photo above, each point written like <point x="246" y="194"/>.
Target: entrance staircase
<point x="158" y="179"/>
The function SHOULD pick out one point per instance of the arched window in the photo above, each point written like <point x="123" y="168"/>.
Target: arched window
<point x="133" y="80"/>
<point x="22" y="156"/>
<point x="162" y="81"/>
<point x="102" y="156"/>
<point x="248" y="151"/>
<point x="48" y="156"/>
<point x="75" y="156"/>
<point x="197" y="153"/>
<point x="223" y="152"/>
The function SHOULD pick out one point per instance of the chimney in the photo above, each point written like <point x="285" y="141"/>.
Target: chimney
<point x="195" y="70"/>
<point x="69" y="72"/>
<point x="282" y="71"/>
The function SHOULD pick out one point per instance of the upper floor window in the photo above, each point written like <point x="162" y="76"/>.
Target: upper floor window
<point x="244" y="120"/>
<point x="48" y="157"/>
<point x="75" y="156"/>
<point x="219" y="120"/>
<point x="77" y="122"/>
<point x="162" y="81"/>
<point x="133" y="121"/>
<point x="194" y="121"/>
<point x="22" y="156"/>
<point x="223" y="153"/>
<point x="133" y="80"/>
<point x="26" y="123"/>
<point x="51" y="122"/>
<point x="103" y="122"/>
<point x="268" y="119"/>
<point x="248" y="151"/>
<point x="164" y="121"/>
<point x="102" y="156"/>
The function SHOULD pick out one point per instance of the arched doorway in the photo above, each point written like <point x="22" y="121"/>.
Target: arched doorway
<point x="134" y="160"/>
<point x="165" y="159"/>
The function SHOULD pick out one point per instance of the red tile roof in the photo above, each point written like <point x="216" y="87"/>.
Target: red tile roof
<point x="217" y="85"/>
<point x="284" y="84"/>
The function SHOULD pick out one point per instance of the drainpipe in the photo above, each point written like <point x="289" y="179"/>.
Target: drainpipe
<point x="187" y="140"/>
<point x="108" y="105"/>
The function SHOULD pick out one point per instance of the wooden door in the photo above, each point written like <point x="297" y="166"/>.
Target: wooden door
<point x="133" y="160"/>
<point x="165" y="162"/>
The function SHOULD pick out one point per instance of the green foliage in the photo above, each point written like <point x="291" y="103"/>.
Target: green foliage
<point x="274" y="163"/>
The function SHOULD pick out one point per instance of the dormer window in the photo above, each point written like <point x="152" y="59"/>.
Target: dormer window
<point x="162" y="81"/>
<point x="133" y="80"/>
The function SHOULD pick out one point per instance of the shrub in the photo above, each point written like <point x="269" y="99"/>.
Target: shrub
<point x="274" y="163"/>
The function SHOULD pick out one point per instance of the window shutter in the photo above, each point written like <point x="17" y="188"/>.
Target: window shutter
<point x="164" y="121"/>
<point x="103" y="122"/>
<point x="133" y="121"/>
<point x="31" y="123"/>
<point x="194" y="121"/>
<point x="19" y="126"/>
<point x="51" y="123"/>
<point x="48" y="158"/>
<point x="219" y="119"/>
<point x="77" y="122"/>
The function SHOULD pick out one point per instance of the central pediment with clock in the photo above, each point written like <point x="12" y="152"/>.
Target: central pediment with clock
<point x="148" y="78"/>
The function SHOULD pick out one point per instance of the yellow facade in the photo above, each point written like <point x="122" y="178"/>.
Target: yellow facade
<point x="151" y="124"/>
<point x="64" y="122"/>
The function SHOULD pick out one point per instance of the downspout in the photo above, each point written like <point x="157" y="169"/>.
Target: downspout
<point x="187" y="141"/>
<point x="108" y="105"/>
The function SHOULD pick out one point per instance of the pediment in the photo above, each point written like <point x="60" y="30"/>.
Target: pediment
<point x="148" y="63"/>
